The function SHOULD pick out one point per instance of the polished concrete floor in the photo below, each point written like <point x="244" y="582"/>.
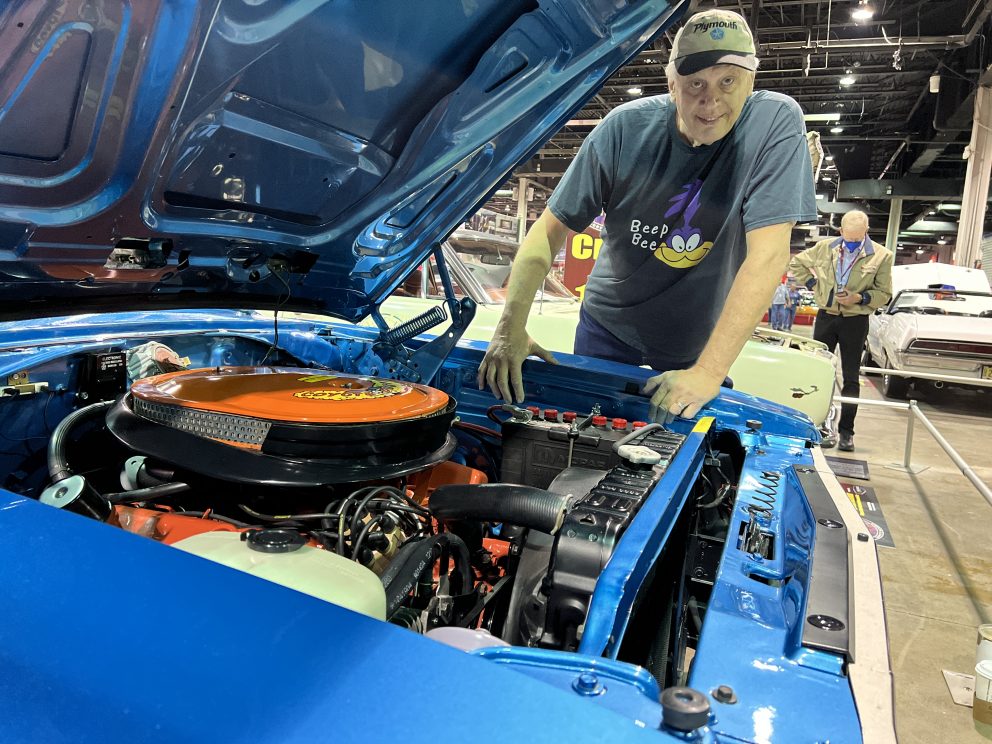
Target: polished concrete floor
<point x="938" y="578"/>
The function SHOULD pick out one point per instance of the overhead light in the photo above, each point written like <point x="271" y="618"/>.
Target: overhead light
<point x="847" y="80"/>
<point x="863" y="12"/>
<point x="830" y="116"/>
<point x="821" y="196"/>
<point x="635" y="91"/>
<point x="932" y="212"/>
<point x="941" y="242"/>
<point x="836" y="130"/>
<point x="898" y="247"/>
<point x="949" y="207"/>
<point x="829" y="157"/>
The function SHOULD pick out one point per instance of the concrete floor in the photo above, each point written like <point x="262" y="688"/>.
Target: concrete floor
<point x="938" y="579"/>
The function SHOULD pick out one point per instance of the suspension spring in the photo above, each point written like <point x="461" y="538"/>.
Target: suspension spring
<point x="766" y="494"/>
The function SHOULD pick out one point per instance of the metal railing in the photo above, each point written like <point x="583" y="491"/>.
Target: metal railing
<point x="974" y="381"/>
<point x="915" y="413"/>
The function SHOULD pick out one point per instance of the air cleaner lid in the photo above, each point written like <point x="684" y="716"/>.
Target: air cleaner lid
<point x="291" y="395"/>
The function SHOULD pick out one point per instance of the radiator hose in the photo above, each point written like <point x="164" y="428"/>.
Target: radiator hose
<point x="420" y="559"/>
<point x="525" y="506"/>
<point x="58" y="465"/>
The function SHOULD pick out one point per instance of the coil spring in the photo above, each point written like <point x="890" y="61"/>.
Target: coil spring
<point x="766" y="494"/>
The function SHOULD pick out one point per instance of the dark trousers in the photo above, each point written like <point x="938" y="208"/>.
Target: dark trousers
<point x="593" y="340"/>
<point x="850" y="333"/>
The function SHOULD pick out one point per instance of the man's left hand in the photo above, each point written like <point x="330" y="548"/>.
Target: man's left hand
<point x="681" y="393"/>
<point x="848" y="298"/>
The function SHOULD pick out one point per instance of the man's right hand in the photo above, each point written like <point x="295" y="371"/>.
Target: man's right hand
<point x="500" y="370"/>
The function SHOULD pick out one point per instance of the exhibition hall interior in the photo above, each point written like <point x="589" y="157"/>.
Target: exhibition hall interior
<point x="601" y="370"/>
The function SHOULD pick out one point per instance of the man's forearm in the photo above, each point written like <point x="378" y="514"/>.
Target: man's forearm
<point x="530" y="266"/>
<point x="749" y="298"/>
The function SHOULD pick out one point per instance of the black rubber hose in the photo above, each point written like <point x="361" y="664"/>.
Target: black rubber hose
<point x="421" y="560"/>
<point x="398" y="561"/>
<point x="146" y="494"/>
<point x="58" y="465"/>
<point x="525" y="506"/>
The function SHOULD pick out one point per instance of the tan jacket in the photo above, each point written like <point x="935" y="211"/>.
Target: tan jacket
<point x="870" y="276"/>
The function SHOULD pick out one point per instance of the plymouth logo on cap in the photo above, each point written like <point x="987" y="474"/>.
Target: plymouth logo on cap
<point x="716" y="34"/>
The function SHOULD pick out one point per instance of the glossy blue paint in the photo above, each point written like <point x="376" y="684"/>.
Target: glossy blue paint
<point x="638" y="551"/>
<point x="752" y="633"/>
<point x="628" y="689"/>
<point x="111" y="637"/>
<point x="62" y="566"/>
<point x="335" y="142"/>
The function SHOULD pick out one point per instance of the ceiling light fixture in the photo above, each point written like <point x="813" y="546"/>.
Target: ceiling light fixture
<point x="829" y="157"/>
<point x="836" y="130"/>
<point x="941" y="242"/>
<point x="863" y="12"/>
<point x="847" y="80"/>
<point x="919" y="250"/>
<point x="635" y="91"/>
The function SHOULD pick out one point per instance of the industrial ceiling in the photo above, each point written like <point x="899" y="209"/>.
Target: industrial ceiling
<point x="888" y="84"/>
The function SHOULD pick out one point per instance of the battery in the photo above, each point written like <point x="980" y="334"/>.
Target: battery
<point x="535" y="451"/>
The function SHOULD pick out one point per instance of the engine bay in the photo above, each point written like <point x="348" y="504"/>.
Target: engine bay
<point x="381" y="495"/>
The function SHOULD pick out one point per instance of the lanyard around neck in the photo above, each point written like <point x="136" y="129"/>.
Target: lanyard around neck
<point x="844" y="269"/>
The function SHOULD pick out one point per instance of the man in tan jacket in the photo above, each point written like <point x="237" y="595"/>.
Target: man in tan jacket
<point x="850" y="277"/>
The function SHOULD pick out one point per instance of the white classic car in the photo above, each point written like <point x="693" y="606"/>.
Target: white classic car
<point x="782" y="367"/>
<point x="938" y="322"/>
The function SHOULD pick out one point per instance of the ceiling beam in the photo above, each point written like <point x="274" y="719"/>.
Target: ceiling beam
<point x="911" y="188"/>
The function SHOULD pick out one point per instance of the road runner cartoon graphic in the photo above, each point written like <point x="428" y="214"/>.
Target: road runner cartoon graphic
<point x="684" y="247"/>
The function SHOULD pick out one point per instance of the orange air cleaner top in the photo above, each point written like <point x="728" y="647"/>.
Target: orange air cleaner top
<point x="291" y="395"/>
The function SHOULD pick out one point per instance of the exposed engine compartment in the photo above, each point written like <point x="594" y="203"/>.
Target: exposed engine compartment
<point x="372" y="494"/>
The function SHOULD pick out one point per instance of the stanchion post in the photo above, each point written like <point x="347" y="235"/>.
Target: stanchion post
<point x="910" y="423"/>
<point x="907" y="458"/>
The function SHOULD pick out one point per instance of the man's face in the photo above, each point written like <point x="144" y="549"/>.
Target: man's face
<point x="710" y="102"/>
<point x="853" y="233"/>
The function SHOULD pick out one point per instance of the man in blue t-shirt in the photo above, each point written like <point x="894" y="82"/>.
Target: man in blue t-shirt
<point x="701" y="189"/>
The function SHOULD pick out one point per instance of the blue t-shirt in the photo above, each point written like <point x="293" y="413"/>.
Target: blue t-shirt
<point x="677" y="216"/>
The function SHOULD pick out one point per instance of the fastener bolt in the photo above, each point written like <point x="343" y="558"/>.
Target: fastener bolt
<point x="724" y="694"/>
<point x="826" y="622"/>
<point x="587" y="683"/>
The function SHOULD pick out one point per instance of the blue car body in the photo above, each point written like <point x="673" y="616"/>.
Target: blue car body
<point x="204" y="160"/>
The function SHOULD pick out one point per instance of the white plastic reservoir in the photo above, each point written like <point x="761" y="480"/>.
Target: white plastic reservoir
<point x="282" y="557"/>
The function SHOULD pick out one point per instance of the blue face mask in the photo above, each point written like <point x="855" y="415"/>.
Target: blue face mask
<point x="852" y="245"/>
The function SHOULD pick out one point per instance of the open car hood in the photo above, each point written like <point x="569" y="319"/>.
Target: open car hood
<point x="247" y="153"/>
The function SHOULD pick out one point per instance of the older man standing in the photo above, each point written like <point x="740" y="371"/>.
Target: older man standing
<point x="850" y="276"/>
<point x="701" y="189"/>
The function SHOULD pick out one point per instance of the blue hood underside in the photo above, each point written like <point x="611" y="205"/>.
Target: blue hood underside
<point x="242" y="154"/>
